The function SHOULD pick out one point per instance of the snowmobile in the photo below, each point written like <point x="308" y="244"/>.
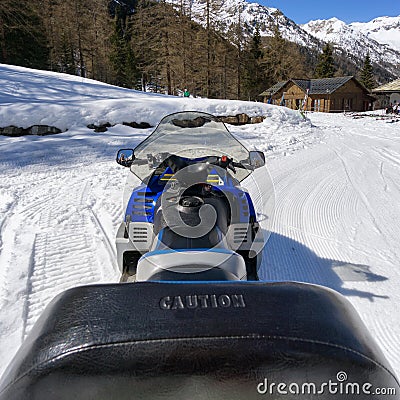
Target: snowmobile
<point x="190" y="219"/>
<point x="194" y="323"/>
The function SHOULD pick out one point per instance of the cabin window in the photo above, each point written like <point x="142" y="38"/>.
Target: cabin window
<point x="317" y="105"/>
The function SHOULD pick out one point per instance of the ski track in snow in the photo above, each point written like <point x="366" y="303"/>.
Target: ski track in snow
<point x="65" y="245"/>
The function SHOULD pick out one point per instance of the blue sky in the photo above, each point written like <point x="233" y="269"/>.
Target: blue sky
<point x="302" y="11"/>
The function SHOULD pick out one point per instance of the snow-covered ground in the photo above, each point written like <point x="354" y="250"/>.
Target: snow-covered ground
<point x="337" y="188"/>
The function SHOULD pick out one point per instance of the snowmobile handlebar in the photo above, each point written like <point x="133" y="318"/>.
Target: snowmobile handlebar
<point x="177" y="163"/>
<point x="243" y="166"/>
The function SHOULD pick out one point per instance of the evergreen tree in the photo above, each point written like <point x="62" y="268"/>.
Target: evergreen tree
<point x="255" y="77"/>
<point x="122" y="57"/>
<point x="22" y="38"/>
<point x="367" y="76"/>
<point x="276" y="56"/>
<point x="156" y="42"/>
<point x="325" y="67"/>
<point x="282" y="59"/>
<point x="66" y="59"/>
<point x="212" y="9"/>
<point x="79" y="33"/>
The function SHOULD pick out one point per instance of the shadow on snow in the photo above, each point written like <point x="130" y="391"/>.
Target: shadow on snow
<point x="285" y="259"/>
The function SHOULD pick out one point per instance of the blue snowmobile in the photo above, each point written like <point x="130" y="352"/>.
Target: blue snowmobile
<point x="192" y="325"/>
<point x="190" y="219"/>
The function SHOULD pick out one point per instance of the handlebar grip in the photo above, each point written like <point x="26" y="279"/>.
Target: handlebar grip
<point x="243" y="166"/>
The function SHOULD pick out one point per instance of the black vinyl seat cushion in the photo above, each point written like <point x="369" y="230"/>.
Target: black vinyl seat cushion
<point x="195" y="341"/>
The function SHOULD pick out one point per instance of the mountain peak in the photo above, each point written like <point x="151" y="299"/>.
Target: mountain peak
<point x="380" y="37"/>
<point x="384" y="30"/>
<point x="326" y="25"/>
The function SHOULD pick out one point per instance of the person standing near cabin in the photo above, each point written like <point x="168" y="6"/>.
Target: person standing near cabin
<point x="186" y="93"/>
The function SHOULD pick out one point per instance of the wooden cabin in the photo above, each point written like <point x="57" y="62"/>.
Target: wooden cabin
<point x="324" y="95"/>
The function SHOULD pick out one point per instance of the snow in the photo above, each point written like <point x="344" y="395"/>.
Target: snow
<point x="383" y="30"/>
<point x="336" y="220"/>
<point x="225" y="17"/>
<point x="336" y="183"/>
<point x="379" y="38"/>
<point x="66" y="102"/>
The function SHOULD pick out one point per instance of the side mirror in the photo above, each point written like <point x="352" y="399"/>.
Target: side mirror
<point x="125" y="157"/>
<point x="257" y="159"/>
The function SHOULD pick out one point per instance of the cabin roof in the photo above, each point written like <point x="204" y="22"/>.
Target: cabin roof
<point x="315" y="86"/>
<point x="388" y="87"/>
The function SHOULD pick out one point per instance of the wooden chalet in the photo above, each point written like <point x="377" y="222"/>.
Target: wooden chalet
<point x="324" y="95"/>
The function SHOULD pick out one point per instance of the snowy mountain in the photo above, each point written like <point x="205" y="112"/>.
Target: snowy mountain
<point x="384" y="30"/>
<point x="380" y="37"/>
<point x="358" y="39"/>
<point x="225" y="18"/>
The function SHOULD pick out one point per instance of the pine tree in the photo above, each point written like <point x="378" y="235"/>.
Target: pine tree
<point x="325" y="67"/>
<point x="276" y="56"/>
<point x="282" y="59"/>
<point x="22" y="38"/>
<point x="79" y="35"/>
<point x="367" y="76"/>
<point x="212" y="9"/>
<point x="255" y="77"/>
<point x="239" y="45"/>
<point x="156" y="39"/>
<point x="122" y="56"/>
<point x="256" y="49"/>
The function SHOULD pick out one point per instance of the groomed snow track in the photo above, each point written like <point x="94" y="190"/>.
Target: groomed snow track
<point x="337" y="221"/>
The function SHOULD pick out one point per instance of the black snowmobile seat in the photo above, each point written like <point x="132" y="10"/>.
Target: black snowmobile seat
<point x="198" y="341"/>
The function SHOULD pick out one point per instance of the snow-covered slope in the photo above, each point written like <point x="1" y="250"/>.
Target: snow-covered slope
<point x="357" y="40"/>
<point x="67" y="101"/>
<point x="225" y="18"/>
<point x="380" y="37"/>
<point x="336" y="188"/>
<point x="384" y="30"/>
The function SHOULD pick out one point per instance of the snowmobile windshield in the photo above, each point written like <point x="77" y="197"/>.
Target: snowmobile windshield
<point x="190" y="135"/>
